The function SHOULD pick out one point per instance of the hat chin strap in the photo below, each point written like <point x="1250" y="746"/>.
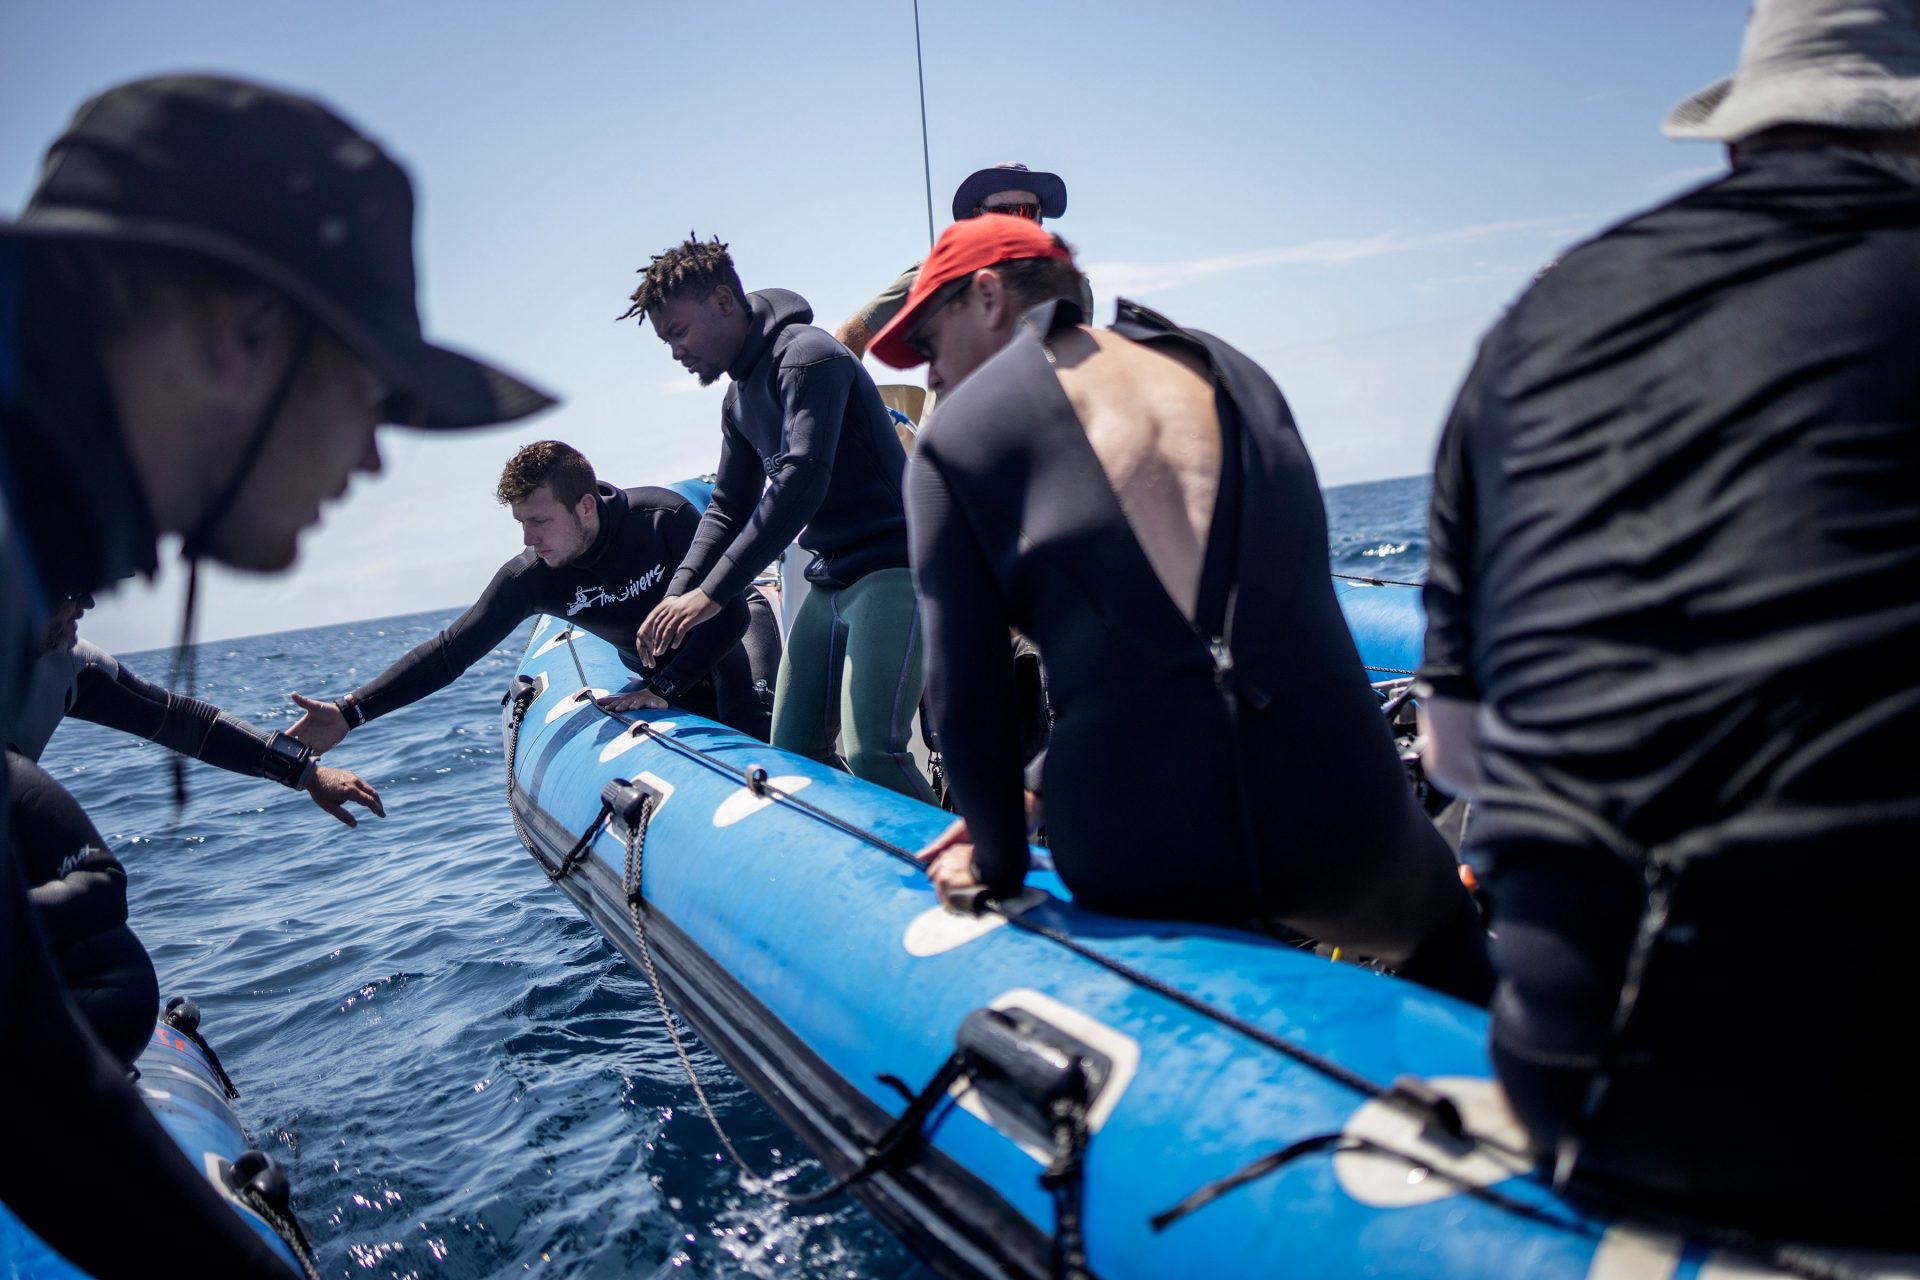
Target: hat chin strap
<point x="195" y="545"/>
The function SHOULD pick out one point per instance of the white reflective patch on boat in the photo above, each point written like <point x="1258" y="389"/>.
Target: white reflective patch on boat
<point x="158" y="1095"/>
<point x="624" y="743"/>
<point x="744" y="804"/>
<point x="1121" y="1050"/>
<point x="540" y="627"/>
<point x="1635" y="1253"/>
<point x="938" y="930"/>
<point x="579" y="700"/>
<point x="634" y="736"/>
<point x="1388" y="1182"/>
<point x="560" y="637"/>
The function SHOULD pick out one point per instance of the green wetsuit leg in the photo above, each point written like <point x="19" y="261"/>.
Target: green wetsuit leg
<point x="882" y="680"/>
<point x="806" y="695"/>
<point x="852" y="668"/>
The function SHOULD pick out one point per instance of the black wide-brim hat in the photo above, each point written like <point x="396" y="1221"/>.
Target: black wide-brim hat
<point x="281" y="188"/>
<point x="982" y="183"/>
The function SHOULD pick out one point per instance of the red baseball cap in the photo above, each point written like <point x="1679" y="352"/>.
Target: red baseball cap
<point x="963" y="248"/>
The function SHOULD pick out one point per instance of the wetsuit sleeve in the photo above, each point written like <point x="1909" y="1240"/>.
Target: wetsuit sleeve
<point x="434" y="664"/>
<point x="814" y="404"/>
<point x="1446" y="667"/>
<point x="107" y="693"/>
<point x="970" y="679"/>
<point x="736" y="488"/>
<point x="80" y="1121"/>
<point x="702" y="650"/>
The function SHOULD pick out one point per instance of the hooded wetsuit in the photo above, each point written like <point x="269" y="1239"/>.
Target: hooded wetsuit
<point x="809" y="452"/>
<point x="1175" y="786"/>
<point x="607" y="591"/>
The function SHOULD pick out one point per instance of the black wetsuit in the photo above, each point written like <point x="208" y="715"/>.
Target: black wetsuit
<point x="1676" y="559"/>
<point x="83" y="901"/>
<point x="1173" y="788"/>
<point x="807" y="451"/>
<point x="88" y="683"/>
<point x="73" y="518"/>
<point x="80" y="891"/>
<point x="608" y="591"/>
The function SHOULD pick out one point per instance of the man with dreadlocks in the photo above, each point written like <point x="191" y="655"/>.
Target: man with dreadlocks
<point x="806" y="450"/>
<point x="206" y="309"/>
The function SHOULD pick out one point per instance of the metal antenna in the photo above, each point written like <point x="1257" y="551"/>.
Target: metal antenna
<point x="926" y="161"/>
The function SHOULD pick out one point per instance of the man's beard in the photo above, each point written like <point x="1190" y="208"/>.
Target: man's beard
<point x="708" y="377"/>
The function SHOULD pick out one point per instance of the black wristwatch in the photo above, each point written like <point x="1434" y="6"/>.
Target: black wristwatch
<point x="288" y="761"/>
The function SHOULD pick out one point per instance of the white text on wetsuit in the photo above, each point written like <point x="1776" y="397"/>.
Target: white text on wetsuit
<point x="588" y="597"/>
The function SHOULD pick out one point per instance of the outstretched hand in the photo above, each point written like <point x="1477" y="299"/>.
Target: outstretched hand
<point x="332" y="789"/>
<point x="321" y="727"/>
<point x="671" y="621"/>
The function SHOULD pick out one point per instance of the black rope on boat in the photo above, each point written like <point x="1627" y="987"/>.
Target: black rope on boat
<point x="1064" y="1179"/>
<point x="902" y="1135"/>
<point x="258" y="1182"/>
<point x="573" y="857"/>
<point x="1375" y="582"/>
<point x="1338" y="1143"/>
<point x="183" y="1015"/>
<point x="1794" y="1260"/>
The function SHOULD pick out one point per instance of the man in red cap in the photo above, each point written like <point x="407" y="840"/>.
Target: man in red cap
<point x="1011" y="189"/>
<point x="1138" y="502"/>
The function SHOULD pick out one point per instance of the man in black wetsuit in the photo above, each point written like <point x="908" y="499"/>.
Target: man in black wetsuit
<point x="75" y="883"/>
<point x="1217" y="753"/>
<point x="597" y="558"/>
<point x="77" y="679"/>
<point x="807" y="451"/>
<point x="1673" y="628"/>
<point x="206" y="309"/>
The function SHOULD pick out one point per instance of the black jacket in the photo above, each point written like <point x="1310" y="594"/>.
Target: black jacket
<point x="806" y="450"/>
<point x="608" y="592"/>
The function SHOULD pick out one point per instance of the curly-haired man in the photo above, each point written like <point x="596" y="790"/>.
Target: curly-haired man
<point x="806" y="450"/>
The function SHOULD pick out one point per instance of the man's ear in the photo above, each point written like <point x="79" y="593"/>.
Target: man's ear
<point x="996" y="301"/>
<point x="244" y="336"/>
<point x="584" y="507"/>
<point x="724" y="300"/>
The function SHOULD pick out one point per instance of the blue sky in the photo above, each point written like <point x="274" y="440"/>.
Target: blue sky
<point x="1349" y="192"/>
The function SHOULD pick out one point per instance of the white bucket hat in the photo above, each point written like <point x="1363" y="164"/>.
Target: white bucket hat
<point x="1841" y="64"/>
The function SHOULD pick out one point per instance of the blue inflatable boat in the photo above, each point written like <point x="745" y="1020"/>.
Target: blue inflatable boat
<point x="1045" y="1090"/>
<point x="183" y="1083"/>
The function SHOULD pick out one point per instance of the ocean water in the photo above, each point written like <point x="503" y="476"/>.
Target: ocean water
<point x="461" y="1076"/>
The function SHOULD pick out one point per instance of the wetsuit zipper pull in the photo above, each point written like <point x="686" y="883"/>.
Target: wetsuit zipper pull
<point x="1222" y="659"/>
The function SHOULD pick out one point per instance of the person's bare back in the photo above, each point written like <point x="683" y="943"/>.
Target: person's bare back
<point x="1150" y="417"/>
